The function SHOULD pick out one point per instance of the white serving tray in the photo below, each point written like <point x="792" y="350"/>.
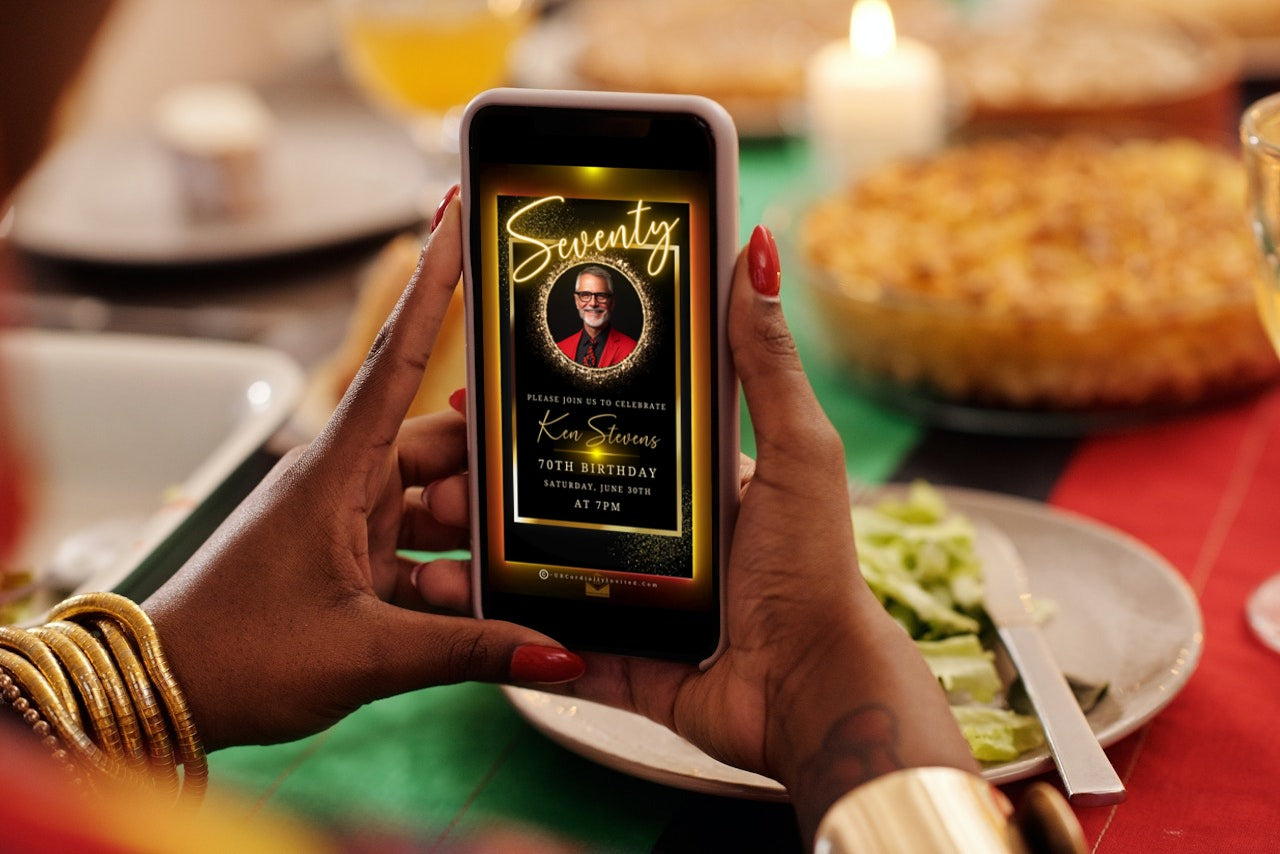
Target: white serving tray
<point x="128" y="435"/>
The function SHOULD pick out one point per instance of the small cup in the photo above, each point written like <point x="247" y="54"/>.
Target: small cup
<point x="215" y="135"/>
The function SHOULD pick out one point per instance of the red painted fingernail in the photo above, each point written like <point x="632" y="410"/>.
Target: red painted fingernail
<point x="546" y="664"/>
<point x="443" y="206"/>
<point x="458" y="400"/>
<point x="762" y="262"/>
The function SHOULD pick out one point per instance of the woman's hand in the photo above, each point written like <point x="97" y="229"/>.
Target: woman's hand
<point x="298" y="610"/>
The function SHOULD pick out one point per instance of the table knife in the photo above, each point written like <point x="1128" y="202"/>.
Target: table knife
<point x="1087" y="773"/>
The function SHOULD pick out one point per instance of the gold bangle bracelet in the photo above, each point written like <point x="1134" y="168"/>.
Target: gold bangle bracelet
<point x="37" y="652"/>
<point x="150" y="713"/>
<point x="92" y="694"/>
<point x="132" y="743"/>
<point x="947" y="810"/>
<point x="49" y="704"/>
<point x="11" y="694"/>
<point x="921" y="809"/>
<point x="190" y="751"/>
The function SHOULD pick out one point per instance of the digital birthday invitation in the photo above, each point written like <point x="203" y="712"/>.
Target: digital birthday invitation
<point x="595" y="307"/>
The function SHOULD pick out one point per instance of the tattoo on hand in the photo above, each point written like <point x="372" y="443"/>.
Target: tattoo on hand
<point x="859" y="747"/>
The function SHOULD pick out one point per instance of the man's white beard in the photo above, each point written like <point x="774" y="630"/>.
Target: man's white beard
<point x="595" y="319"/>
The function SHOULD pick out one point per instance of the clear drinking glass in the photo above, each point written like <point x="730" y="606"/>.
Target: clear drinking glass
<point x="423" y="60"/>
<point x="1260" y="135"/>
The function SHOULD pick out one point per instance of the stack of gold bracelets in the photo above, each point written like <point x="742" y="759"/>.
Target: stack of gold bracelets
<point x="94" y="686"/>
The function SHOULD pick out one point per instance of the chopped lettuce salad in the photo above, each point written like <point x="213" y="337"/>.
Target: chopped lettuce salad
<point x="919" y="559"/>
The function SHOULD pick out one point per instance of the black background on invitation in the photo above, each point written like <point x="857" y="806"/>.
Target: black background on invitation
<point x="533" y="367"/>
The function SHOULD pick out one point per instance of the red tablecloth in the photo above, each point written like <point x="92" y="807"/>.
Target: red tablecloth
<point x="1205" y="492"/>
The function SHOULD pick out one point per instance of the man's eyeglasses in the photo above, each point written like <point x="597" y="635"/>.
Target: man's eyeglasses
<point x="589" y="296"/>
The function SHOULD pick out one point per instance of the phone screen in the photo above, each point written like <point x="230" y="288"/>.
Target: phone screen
<point x="594" y="314"/>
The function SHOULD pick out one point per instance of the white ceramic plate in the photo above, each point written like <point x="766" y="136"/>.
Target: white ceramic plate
<point x="1124" y="616"/>
<point x="112" y="196"/>
<point x="126" y="435"/>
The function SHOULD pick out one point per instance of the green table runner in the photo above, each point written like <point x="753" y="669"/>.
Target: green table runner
<point x="439" y="764"/>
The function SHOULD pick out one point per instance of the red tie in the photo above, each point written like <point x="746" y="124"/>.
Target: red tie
<point x="590" y="359"/>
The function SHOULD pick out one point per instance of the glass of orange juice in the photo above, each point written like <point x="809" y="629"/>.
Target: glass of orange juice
<point x="423" y="60"/>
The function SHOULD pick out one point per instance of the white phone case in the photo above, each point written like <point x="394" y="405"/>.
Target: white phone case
<point x="726" y="250"/>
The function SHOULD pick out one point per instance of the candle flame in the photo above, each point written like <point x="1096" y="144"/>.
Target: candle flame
<point x="871" y="32"/>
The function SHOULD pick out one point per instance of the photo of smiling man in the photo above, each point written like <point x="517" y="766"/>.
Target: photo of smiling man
<point x="597" y="344"/>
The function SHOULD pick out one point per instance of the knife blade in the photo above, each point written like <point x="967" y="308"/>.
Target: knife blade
<point x="1087" y="773"/>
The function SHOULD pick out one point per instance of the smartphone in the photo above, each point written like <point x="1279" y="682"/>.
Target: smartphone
<point x="601" y="233"/>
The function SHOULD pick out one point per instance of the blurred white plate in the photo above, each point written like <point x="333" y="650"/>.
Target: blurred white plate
<point x="544" y="58"/>
<point x="126" y="435"/>
<point x="329" y="176"/>
<point x="1124" y="616"/>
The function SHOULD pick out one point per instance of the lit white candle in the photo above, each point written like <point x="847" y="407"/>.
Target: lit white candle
<point x="874" y="98"/>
